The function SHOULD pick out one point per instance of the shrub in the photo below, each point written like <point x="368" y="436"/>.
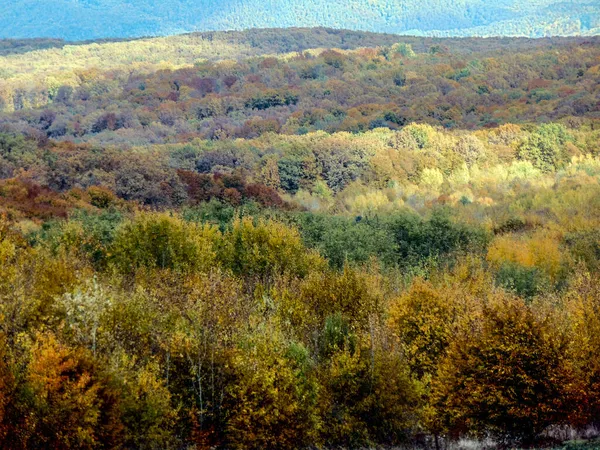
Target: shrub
<point x="525" y="282"/>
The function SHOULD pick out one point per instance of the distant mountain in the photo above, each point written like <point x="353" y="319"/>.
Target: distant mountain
<point x="92" y="19"/>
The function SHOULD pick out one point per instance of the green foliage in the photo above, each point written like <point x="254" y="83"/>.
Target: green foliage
<point x="213" y="212"/>
<point x="162" y="241"/>
<point x="586" y="247"/>
<point x="146" y="18"/>
<point x="343" y="240"/>
<point x="526" y="282"/>
<point x="336" y="336"/>
<point x="16" y="152"/>
<point x="296" y="170"/>
<point x="419" y="134"/>
<point x="545" y="148"/>
<point x="270" y="100"/>
<point x="418" y="240"/>
<point x="94" y="234"/>
<point x="400" y="239"/>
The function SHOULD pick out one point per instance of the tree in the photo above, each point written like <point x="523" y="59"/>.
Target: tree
<point x="423" y="322"/>
<point x="404" y="49"/>
<point x="64" y="401"/>
<point x="367" y="398"/>
<point x="545" y="148"/>
<point x="508" y="376"/>
<point x="266" y="249"/>
<point x="7" y="387"/>
<point x="583" y="305"/>
<point x="272" y="403"/>
<point x="159" y="240"/>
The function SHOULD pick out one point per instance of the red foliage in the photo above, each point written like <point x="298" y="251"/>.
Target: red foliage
<point x="21" y="198"/>
<point x="538" y="84"/>
<point x="264" y="195"/>
<point x="200" y="187"/>
<point x="230" y="188"/>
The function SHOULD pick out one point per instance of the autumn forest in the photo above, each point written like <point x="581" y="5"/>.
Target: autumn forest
<point x="301" y="238"/>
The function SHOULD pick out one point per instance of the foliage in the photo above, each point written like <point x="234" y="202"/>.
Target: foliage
<point x="545" y="148"/>
<point x="510" y="366"/>
<point x="266" y="249"/>
<point x="218" y="86"/>
<point x="162" y="241"/>
<point x="143" y="18"/>
<point x="336" y="248"/>
<point x="423" y="322"/>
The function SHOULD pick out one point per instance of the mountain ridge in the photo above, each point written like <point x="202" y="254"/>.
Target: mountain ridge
<point x="94" y="19"/>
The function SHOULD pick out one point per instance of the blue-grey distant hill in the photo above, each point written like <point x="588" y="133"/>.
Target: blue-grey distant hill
<point x="92" y="19"/>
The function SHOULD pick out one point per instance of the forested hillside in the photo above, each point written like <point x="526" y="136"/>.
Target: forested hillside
<point x="93" y="19"/>
<point x="300" y="239"/>
<point x="204" y="86"/>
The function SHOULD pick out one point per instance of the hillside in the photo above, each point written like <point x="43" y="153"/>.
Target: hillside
<point x="300" y="239"/>
<point x="91" y="19"/>
<point x="244" y="84"/>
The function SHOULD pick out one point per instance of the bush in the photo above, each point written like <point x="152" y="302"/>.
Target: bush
<point x="419" y="240"/>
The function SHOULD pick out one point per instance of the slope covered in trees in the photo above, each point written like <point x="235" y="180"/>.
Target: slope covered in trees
<point x="372" y="307"/>
<point x="91" y="19"/>
<point x="204" y="86"/>
<point x="389" y="243"/>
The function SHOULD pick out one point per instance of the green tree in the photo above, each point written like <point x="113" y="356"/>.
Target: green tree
<point x="545" y="148"/>
<point x="160" y="240"/>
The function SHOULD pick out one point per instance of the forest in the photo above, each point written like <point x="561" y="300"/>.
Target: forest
<point x="93" y="19"/>
<point x="300" y="240"/>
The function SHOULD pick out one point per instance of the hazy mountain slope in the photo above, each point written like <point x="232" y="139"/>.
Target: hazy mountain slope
<point x="44" y="65"/>
<point x="89" y="19"/>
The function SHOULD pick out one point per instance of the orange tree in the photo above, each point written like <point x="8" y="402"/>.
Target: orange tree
<point x="506" y="375"/>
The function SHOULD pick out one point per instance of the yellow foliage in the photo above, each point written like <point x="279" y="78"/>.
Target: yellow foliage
<point x="368" y="204"/>
<point x="357" y="295"/>
<point x="266" y="249"/>
<point x="273" y="399"/>
<point x="161" y="240"/>
<point x="541" y="251"/>
<point x="432" y="179"/>
<point x="422" y="320"/>
<point x="41" y="72"/>
<point x="511" y="366"/>
<point x="583" y="308"/>
<point x="67" y="397"/>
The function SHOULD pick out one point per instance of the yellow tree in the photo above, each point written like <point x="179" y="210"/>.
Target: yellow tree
<point x="506" y="376"/>
<point x="423" y="320"/>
